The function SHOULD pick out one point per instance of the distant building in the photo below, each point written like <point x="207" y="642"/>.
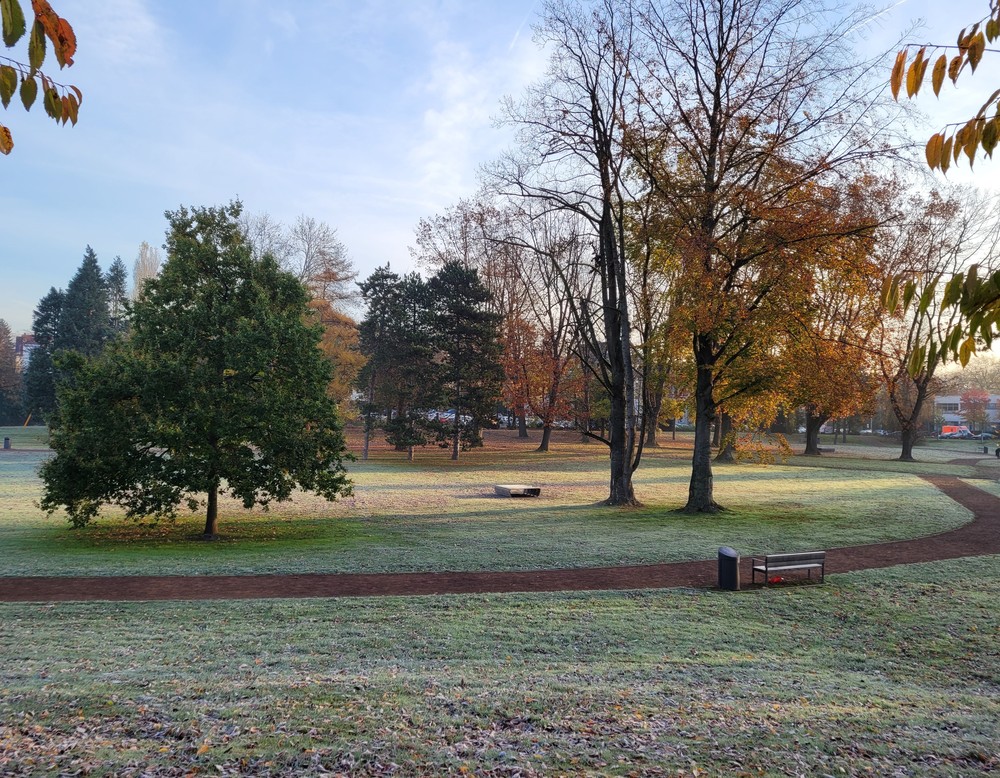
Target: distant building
<point x="948" y="409"/>
<point x="23" y="346"/>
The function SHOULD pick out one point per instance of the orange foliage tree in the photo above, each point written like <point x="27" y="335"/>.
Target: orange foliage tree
<point x="61" y="102"/>
<point x="832" y="338"/>
<point x="746" y="118"/>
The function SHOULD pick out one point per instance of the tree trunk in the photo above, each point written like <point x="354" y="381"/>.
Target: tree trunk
<point x="212" y="512"/>
<point x="621" y="430"/>
<point x="522" y="424"/>
<point x="655" y="404"/>
<point x="780" y="424"/>
<point x="546" y="436"/>
<point x="908" y="422"/>
<point x="727" y="451"/>
<point x="813" y="423"/>
<point x="907" y="439"/>
<point x="409" y="453"/>
<point x="701" y="498"/>
<point x="455" y="436"/>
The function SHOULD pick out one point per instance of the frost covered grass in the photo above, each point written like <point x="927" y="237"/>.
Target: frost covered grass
<point x="434" y="514"/>
<point x="890" y="672"/>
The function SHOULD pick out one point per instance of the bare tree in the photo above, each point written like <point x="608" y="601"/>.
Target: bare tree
<point x="265" y="235"/>
<point x="146" y="266"/>
<point x="553" y="274"/>
<point x="318" y="258"/>
<point x="571" y="130"/>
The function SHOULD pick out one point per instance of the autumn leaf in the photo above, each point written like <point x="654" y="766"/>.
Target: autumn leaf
<point x="13" y="21"/>
<point x="29" y="91"/>
<point x="6" y="141"/>
<point x="897" y="73"/>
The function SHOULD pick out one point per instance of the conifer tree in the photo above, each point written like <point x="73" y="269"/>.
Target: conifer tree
<point x="116" y="283"/>
<point x="468" y="341"/>
<point x="84" y="321"/>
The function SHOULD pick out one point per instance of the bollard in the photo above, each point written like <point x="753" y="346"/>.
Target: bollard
<point x="729" y="569"/>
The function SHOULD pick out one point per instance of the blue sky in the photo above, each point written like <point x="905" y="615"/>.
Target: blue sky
<point x="365" y="114"/>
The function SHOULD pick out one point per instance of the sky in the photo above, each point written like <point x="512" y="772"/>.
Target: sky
<point x="366" y="114"/>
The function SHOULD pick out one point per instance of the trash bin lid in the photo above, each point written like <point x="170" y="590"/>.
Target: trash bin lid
<point x="727" y="551"/>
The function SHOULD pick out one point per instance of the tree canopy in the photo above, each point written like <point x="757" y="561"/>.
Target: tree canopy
<point x="220" y="387"/>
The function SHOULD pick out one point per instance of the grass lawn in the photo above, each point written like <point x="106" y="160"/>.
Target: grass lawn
<point x="891" y="672"/>
<point x="888" y="672"/>
<point x="434" y="514"/>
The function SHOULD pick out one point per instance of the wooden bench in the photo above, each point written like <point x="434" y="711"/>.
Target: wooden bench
<point x="777" y="563"/>
<point x="517" y="490"/>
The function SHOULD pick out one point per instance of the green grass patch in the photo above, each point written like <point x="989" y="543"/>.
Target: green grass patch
<point x="437" y="515"/>
<point x="889" y="672"/>
<point x="26" y="437"/>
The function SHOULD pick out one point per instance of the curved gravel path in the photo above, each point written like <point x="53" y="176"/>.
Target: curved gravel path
<point x="979" y="537"/>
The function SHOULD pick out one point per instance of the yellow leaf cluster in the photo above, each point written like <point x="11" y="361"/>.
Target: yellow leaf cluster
<point x="981" y="131"/>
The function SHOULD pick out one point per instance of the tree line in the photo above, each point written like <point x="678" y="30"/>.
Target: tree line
<point x="706" y="207"/>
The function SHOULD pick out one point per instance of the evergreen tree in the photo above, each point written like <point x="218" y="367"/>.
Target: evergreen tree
<point x="10" y="381"/>
<point x="40" y="376"/>
<point x="84" y="323"/>
<point x="467" y="335"/>
<point x="401" y="378"/>
<point x="220" y="388"/>
<point x="116" y="283"/>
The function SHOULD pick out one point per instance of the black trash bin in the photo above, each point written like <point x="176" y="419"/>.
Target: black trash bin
<point x="6" y="442"/>
<point x="729" y="569"/>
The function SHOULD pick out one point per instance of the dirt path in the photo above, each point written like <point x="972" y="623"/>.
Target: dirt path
<point x="979" y="537"/>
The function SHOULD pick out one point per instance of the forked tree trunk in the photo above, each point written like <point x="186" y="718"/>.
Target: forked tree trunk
<point x="908" y="423"/>
<point x="908" y="438"/>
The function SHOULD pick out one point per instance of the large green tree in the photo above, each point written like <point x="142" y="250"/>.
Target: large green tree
<point x="219" y="388"/>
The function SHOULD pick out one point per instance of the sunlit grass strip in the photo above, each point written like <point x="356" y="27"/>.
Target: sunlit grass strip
<point x="883" y="672"/>
<point x="420" y="517"/>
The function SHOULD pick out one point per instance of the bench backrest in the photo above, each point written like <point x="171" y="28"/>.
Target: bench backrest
<point x="802" y="556"/>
